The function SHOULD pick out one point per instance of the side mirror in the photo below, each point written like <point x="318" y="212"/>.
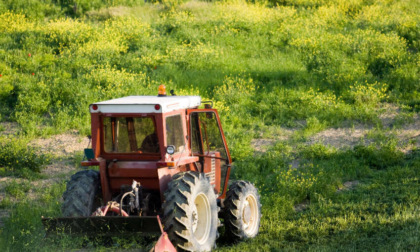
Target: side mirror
<point x="89" y="154"/>
<point x="170" y="149"/>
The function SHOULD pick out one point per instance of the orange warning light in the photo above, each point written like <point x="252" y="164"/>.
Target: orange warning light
<point x="162" y="90"/>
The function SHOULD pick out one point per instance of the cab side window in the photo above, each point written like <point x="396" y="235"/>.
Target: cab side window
<point x="205" y="134"/>
<point x="175" y="133"/>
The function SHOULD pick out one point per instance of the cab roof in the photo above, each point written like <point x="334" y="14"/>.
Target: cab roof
<point x="145" y="104"/>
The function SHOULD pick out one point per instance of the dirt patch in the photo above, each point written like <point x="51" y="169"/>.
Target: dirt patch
<point x="61" y="145"/>
<point x="57" y="168"/>
<point x="295" y="164"/>
<point x="409" y="135"/>
<point x="9" y="128"/>
<point x="302" y="206"/>
<point x="348" y="186"/>
<point x="387" y="118"/>
<point x="261" y="145"/>
<point x="340" y="138"/>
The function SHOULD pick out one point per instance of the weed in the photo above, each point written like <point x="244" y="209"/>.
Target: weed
<point x="380" y="157"/>
<point x="21" y="160"/>
<point x="17" y="190"/>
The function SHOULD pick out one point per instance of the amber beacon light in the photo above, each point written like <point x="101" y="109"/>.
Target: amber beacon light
<point x="162" y="90"/>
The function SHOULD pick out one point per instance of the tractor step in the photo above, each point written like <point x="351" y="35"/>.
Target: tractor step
<point x="102" y="226"/>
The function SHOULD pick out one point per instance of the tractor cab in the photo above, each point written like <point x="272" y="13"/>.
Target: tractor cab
<point x="149" y="138"/>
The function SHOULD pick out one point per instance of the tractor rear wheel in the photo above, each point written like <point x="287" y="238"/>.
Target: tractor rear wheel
<point x="190" y="212"/>
<point x="81" y="197"/>
<point x="242" y="211"/>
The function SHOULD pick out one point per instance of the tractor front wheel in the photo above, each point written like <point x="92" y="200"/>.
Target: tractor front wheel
<point x="190" y="212"/>
<point x="81" y="197"/>
<point x="242" y="211"/>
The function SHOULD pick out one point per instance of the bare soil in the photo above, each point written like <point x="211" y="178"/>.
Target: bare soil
<point x="348" y="186"/>
<point x="302" y="206"/>
<point x="408" y="134"/>
<point x="340" y="138"/>
<point x="9" y="128"/>
<point x="261" y="144"/>
<point x="62" y="145"/>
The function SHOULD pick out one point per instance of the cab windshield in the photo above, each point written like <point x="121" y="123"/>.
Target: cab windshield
<point x="130" y="135"/>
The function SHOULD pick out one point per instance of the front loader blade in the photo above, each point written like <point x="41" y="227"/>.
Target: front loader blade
<point x="103" y="226"/>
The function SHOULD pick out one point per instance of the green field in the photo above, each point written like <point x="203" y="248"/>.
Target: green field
<point x="319" y="101"/>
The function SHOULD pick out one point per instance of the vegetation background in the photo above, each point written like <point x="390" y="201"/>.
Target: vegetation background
<point x="286" y="75"/>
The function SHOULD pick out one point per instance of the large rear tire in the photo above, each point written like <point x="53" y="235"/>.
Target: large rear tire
<point x="242" y="211"/>
<point x="82" y="195"/>
<point x="190" y="212"/>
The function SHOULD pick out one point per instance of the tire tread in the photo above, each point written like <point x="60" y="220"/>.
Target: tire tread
<point x="79" y="197"/>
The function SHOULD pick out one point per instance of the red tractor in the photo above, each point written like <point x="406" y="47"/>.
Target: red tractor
<point x="159" y="157"/>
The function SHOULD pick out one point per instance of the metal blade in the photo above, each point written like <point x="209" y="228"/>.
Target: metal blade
<point x="104" y="226"/>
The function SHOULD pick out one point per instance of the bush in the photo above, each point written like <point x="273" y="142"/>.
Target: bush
<point x="369" y="95"/>
<point x="36" y="9"/>
<point x="16" y="157"/>
<point x="380" y="157"/>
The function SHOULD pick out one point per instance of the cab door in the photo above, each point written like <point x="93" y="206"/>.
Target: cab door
<point x="207" y="141"/>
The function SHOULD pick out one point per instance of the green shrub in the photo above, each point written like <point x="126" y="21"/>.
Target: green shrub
<point x="369" y="95"/>
<point x="16" y="157"/>
<point x="380" y="157"/>
<point x="318" y="152"/>
<point x="32" y="8"/>
<point x="53" y="8"/>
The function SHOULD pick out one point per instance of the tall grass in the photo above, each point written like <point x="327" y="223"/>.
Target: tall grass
<point x="301" y="64"/>
<point x="334" y="52"/>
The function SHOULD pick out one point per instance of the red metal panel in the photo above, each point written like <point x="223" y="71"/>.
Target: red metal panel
<point x="106" y="192"/>
<point x="90" y="163"/>
<point x="182" y="160"/>
<point x="123" y="173"/>
<point x="95" y="131"/>
<point x="146" y="183"/>
<point x="212" y="169"/>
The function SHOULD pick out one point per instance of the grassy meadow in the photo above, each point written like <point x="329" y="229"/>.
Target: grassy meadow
<point x="287" y="76"/>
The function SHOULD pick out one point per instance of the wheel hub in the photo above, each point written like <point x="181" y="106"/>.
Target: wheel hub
<point x="194" y="218"/>
<point x="250" y="215"/>
<point x="246" y="214"/>
<point x="201" y="218"/>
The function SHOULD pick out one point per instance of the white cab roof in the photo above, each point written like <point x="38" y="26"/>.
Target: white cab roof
<point x="146" y="104"/>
